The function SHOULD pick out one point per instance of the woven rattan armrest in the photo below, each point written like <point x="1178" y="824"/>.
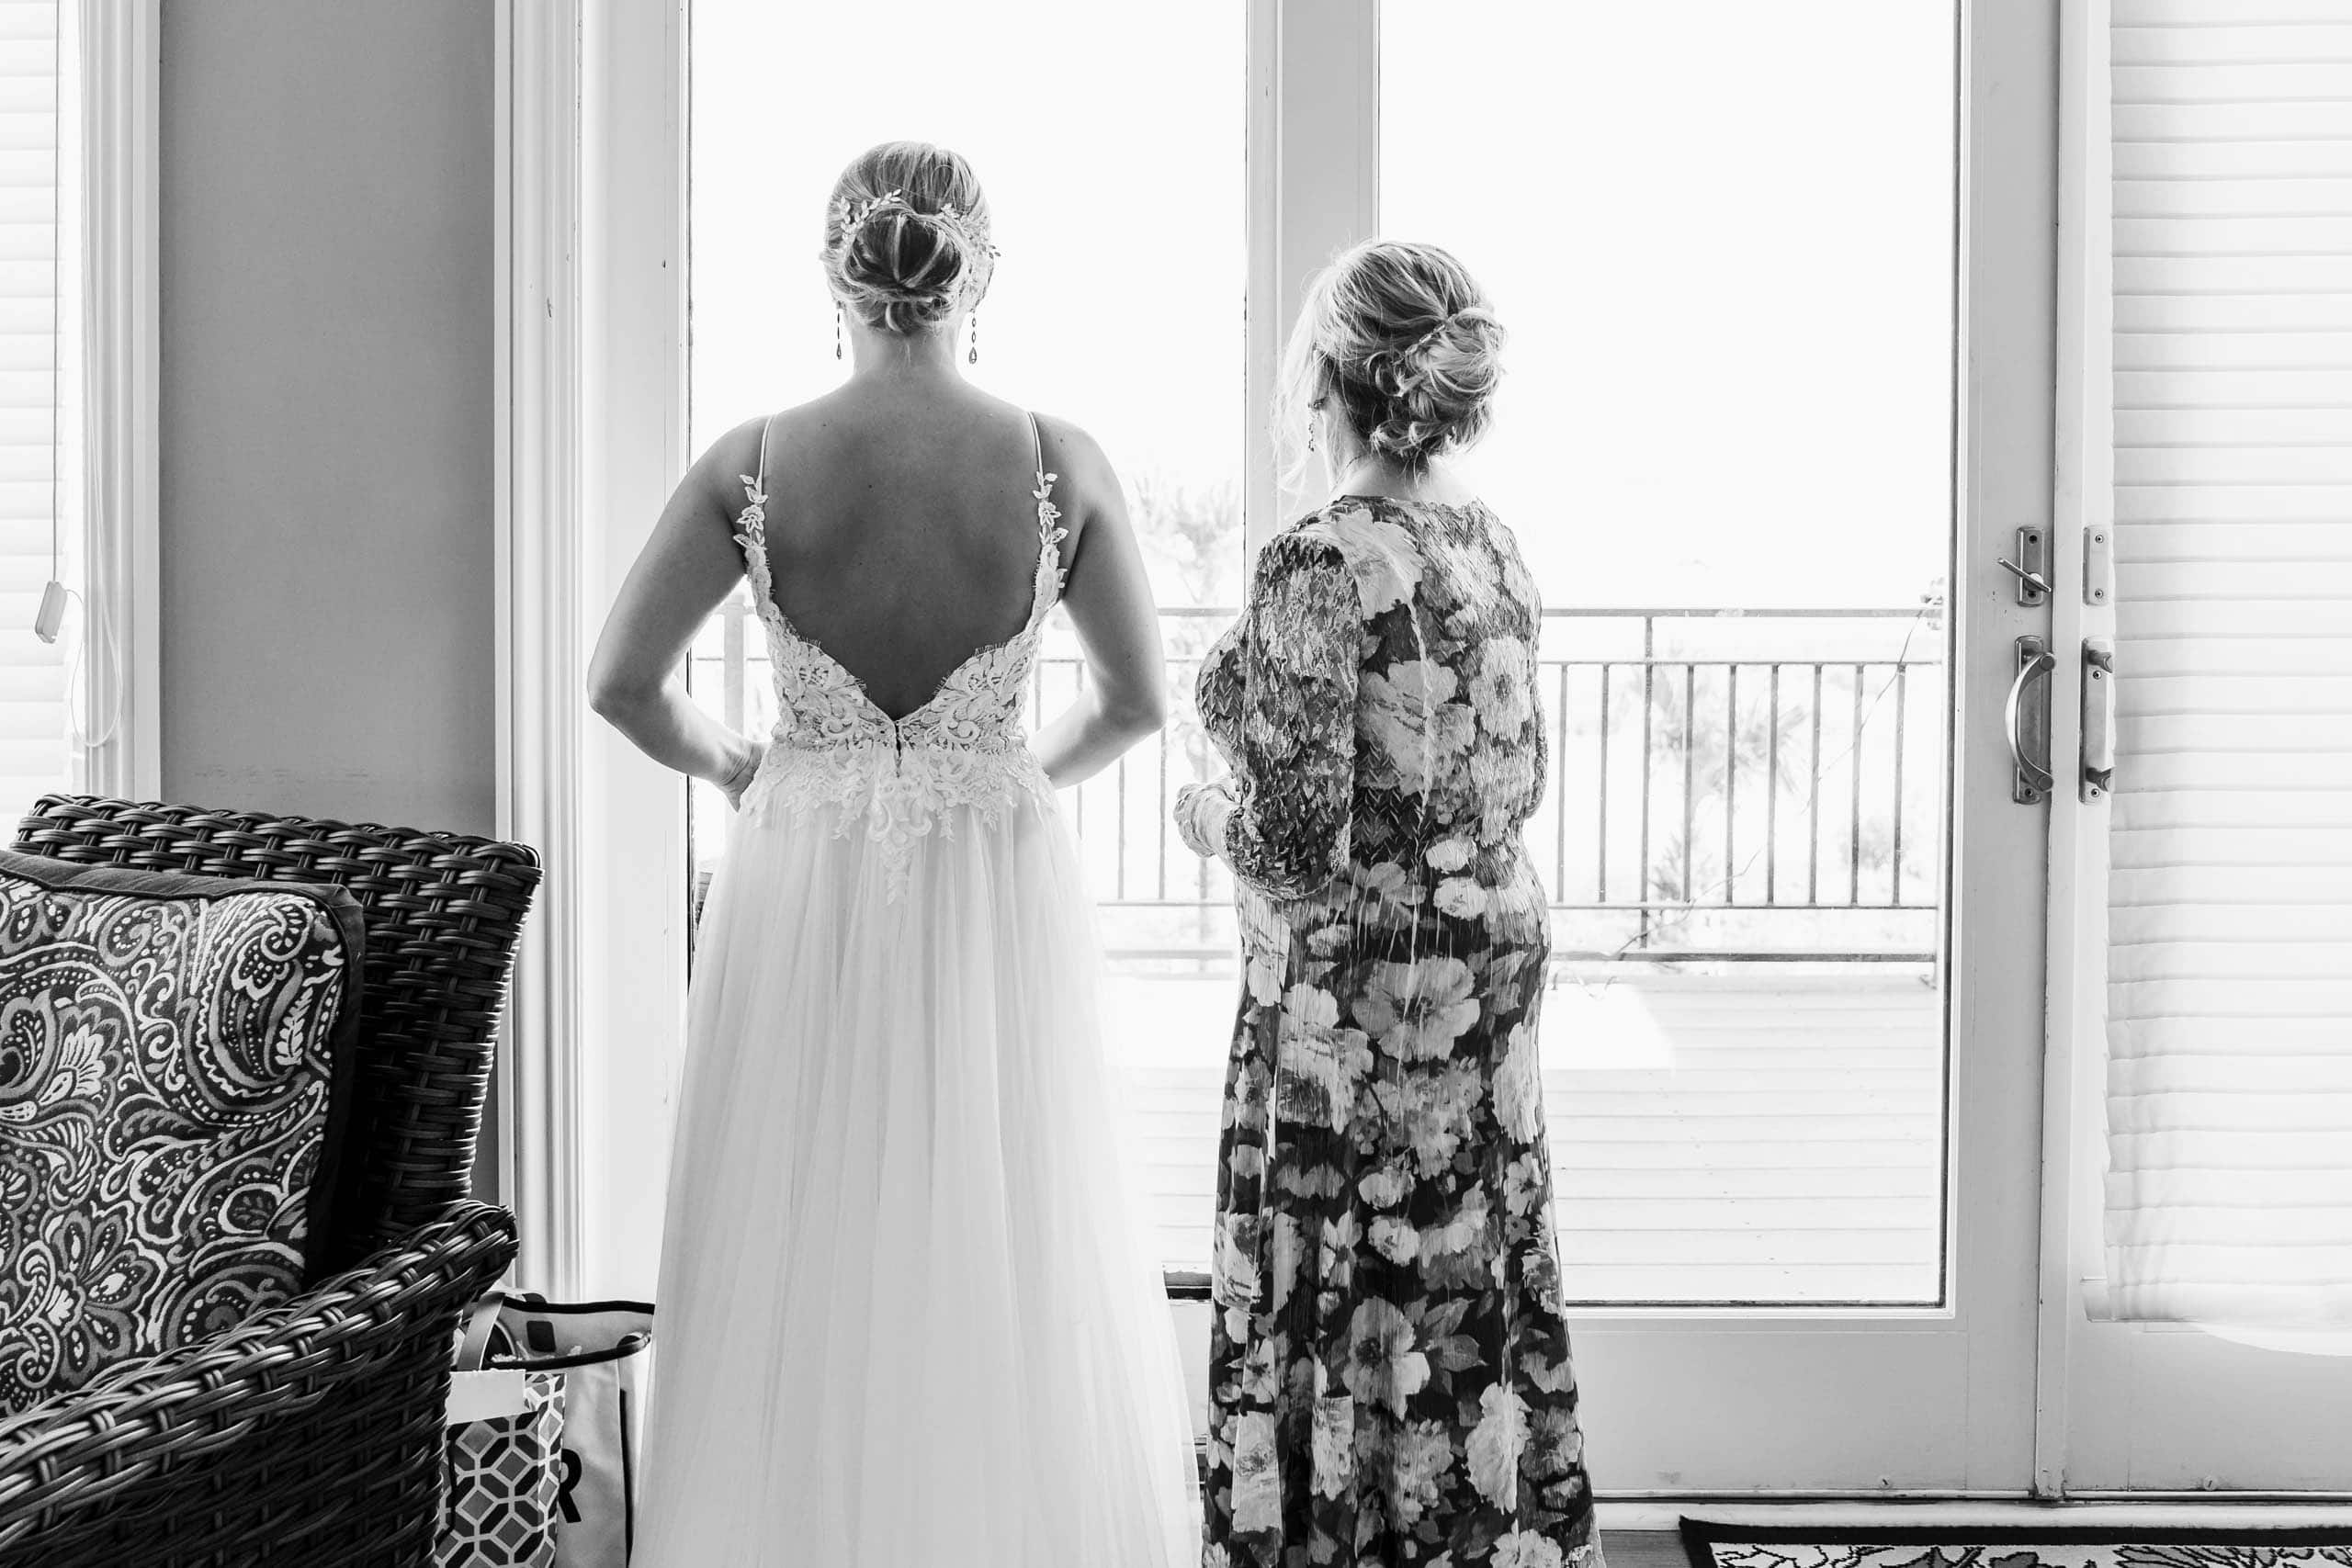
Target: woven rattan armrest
<point x="311" y="1434"/>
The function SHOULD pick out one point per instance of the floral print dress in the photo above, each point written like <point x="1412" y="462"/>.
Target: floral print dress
<point x="1389" y="1374"/>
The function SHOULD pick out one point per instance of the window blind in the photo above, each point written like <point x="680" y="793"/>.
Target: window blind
<point x="40" y="291"/>
<point x="2228" y="1190"/>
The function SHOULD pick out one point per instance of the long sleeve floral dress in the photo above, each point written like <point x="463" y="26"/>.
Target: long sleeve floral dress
<point x="1389" y="1374"/>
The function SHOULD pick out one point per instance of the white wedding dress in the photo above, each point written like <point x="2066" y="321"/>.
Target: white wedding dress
<point x="904" y="1317"/>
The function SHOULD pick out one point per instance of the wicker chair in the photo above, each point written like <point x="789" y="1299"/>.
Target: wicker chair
<point x="311" y="1433"/>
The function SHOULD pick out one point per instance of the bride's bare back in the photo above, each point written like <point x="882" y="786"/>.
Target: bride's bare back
<point x="902" y="530"/>
<point x="901" y="517"/>
<point x="902" y="533"/>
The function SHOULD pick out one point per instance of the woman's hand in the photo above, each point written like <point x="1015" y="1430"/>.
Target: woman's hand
<point x="1201" y="811"/>
<point x="733" y="786"/>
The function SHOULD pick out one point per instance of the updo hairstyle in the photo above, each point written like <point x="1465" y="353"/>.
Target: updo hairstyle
<point x="907" y="241"/>
<point x="1401" y="341"/>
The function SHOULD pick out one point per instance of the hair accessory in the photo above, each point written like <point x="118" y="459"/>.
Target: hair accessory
<point x="1432" y="336"/>
<point x="949" y="216"/>
<point x="854" y="218"/>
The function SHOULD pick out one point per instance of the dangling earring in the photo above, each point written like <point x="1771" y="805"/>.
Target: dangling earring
<point x="974" y="356"/>
<point x="837" y="331"/>
<point x="1310" y="433"/>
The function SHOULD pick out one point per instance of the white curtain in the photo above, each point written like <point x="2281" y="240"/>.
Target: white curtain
<point x="2229" y="1081"/>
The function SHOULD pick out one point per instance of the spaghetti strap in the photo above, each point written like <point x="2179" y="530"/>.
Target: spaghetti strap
<point x="1052" y="574"/>
<point x="750" y="530"/>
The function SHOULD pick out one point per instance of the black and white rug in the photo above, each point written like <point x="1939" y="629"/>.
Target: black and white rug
<point x="1715" y="1544"/>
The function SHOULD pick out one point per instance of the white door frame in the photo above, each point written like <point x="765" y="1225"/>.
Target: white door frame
<point x="121" y="48"/>
<point x="1313" y="184"/>
<point x="633" y="384"/>
<point x="2083" y="484"/>
<point x="592" y="398"/>
<point x="540" y="665"/>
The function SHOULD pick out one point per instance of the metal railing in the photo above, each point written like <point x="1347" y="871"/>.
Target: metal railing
<point x="1723" y="785"/>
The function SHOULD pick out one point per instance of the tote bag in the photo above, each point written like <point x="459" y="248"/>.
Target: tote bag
<point x="603" y="1353"/>
<point x="504" y="1457"/>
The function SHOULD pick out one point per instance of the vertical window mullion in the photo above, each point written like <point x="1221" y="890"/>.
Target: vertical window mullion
<point x="1313" y="190"/>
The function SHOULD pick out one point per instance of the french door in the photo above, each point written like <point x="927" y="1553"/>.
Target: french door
<point x="1795" y="1047"/>
<point x="1781" y="285"/>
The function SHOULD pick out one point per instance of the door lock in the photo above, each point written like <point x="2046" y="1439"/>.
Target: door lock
<point x="2032" y="569"/>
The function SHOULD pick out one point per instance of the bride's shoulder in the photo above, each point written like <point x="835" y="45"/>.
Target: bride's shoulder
<point x="724" y="471"/>
<point x="745" y="451"/>
<point x="1083" y="477"/>
<point x="796" y="426"/>
<point x="1066" y="442"/>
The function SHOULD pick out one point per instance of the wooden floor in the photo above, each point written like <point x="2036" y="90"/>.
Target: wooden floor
<point x="1748" y="1136"/>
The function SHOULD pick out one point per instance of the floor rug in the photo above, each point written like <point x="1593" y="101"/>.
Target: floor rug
<point x="1715" y="1544"/>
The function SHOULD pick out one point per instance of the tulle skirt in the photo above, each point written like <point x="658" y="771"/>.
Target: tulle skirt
<point x="904" y="1315"/>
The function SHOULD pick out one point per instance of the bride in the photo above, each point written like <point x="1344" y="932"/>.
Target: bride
<point x="904" y="1318"/>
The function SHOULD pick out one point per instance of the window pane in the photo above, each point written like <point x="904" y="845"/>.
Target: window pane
<point x="1720" y="237"/>
<point x="1109" y="141"/>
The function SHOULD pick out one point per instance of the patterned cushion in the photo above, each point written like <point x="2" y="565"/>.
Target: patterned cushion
<point x="176" y="1065"/>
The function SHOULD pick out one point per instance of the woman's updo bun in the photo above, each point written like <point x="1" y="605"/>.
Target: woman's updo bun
<point x="1404" y="345"/>
<point x="907" y="241"/>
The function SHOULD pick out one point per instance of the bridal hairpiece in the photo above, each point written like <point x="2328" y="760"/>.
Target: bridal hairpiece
<point x="1432" y="336"/>
<point x="1392" y="370"/>
<point x="965" y="225"/>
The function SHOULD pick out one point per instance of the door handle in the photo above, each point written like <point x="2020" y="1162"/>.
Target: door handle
<point x="2027" y="714"/>
<point x="2099" y="718"/>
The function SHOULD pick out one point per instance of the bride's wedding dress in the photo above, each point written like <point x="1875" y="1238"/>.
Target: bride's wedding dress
<point x="904" y="1317"/>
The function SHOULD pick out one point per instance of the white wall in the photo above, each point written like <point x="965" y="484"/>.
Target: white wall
<point x="326" y="410"/>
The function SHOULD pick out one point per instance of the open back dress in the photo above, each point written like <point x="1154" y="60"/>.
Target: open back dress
<point x="905" y="1318"/>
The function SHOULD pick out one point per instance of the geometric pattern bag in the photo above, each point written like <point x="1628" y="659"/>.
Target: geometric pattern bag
<point x="602" y="1351"/>
<point x="504" y="1460"/>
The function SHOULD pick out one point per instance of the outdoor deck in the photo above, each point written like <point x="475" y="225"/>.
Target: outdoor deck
<point x="1757" y="1136"/>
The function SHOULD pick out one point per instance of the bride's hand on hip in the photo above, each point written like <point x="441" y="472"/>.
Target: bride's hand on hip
<point x="733" y="786"/>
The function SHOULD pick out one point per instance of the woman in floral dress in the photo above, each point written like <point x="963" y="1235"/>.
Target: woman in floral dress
<point x="1389" y="1374"/>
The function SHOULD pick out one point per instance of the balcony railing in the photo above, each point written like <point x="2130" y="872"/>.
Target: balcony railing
<point x="1724" y="785"/>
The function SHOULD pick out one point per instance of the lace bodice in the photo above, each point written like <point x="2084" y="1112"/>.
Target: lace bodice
<point x="834" y="753"/>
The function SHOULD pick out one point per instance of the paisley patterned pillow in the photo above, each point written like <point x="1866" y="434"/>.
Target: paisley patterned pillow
<point x="175" y="1063"/>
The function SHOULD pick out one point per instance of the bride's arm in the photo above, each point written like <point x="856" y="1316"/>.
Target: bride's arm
<point x="689" y="565"/>
<point x="1109" y="599"/>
